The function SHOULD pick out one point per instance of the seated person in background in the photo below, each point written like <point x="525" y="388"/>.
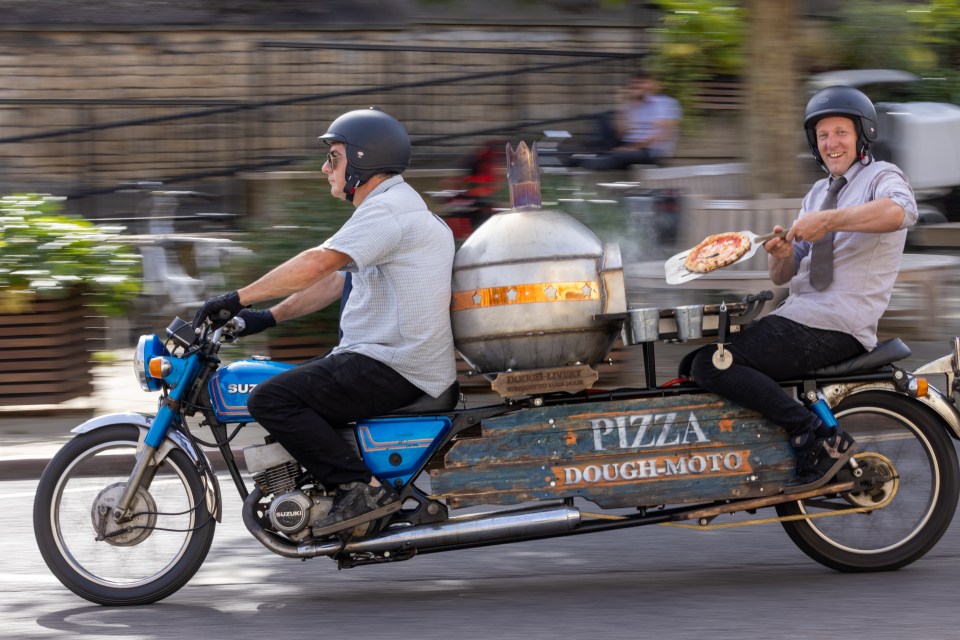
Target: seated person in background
<point x="646" y="127"/>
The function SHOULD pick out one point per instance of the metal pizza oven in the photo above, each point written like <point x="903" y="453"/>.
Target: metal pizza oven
<point x="531" y="289"/>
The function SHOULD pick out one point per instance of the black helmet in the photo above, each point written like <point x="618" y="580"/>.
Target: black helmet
<point x="374" y="143"/>
<point x="842" y="101"/>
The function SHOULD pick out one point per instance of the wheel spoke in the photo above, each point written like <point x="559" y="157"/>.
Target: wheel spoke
<point x="140" y="558"/>
<point x="120" y="560"/>
<point x="886" y="434"/>
<point x="906" y="453"/>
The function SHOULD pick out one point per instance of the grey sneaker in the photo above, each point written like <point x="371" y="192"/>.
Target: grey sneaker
<point x="356" y="503"/>
<point x="818" y="465"/>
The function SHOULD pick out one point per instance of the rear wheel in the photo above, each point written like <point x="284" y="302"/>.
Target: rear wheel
<point x="906" y="448"/>
<point x="137" y="561"/>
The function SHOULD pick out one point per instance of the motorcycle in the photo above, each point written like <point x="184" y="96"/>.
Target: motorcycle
<point x="125" y="513"/>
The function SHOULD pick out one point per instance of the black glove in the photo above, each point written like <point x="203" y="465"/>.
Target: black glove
<point x="251" y="321"/>
<point x="218" y="309"/>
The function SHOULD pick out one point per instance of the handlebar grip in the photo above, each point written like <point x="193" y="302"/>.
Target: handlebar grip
<point x="763" y="295"/>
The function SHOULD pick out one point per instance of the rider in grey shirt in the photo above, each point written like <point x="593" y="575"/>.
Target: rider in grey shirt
<point x="394" y="314"/>
<point x="865" y="265"/>
<point x="834" y="316"/>
<point x="397" y="342"/>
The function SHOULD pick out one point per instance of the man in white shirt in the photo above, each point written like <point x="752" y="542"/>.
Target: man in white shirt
<point x="396" y="342"/>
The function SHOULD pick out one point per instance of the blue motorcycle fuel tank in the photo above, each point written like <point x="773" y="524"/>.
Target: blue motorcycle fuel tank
<point x="231" y="385"/>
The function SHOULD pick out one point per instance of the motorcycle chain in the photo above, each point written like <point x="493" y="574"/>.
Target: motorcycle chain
<point x="793" y="518"/>
<point x="704" y="526"/>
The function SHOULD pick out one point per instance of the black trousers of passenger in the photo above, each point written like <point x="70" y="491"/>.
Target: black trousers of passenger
<point x="771" y="349"/>
<point x="302" y="408"/>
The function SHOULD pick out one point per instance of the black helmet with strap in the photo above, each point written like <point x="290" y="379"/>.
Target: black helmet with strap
<point x="374" y="143"/>
<point x="842" y="101"/>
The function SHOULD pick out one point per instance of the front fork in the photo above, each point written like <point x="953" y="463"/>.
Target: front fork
<point x="166" y="415"/>
<point x="145" y="460"/>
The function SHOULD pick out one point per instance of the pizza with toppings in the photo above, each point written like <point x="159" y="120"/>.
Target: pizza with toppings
<point x="717" y="251"/>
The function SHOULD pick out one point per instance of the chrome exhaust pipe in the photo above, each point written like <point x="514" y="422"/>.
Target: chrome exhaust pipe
<point x="279" y="545"/>
<point x="474" y="529"/>
<point x="458" y="531"/>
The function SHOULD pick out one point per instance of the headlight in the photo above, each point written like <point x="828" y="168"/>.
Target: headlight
<point x="148" y="348"/>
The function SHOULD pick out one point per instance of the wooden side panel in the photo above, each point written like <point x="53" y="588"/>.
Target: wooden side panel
<point x="668" y="450"/>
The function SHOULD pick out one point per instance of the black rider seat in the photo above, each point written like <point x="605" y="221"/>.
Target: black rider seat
<point x="428" y="404"/>
<point x="886" y="352"/>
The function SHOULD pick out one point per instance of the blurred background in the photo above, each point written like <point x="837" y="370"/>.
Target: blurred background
<point x="177" y="143"/>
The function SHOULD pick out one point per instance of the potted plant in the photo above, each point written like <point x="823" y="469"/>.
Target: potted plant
<point x="59" y="275"/>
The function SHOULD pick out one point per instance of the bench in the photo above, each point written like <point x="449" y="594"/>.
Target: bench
<point x="722" y="180"/>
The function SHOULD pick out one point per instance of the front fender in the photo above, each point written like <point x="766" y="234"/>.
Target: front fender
<point x="174" y="440"/>
<point x="934" y="399"/>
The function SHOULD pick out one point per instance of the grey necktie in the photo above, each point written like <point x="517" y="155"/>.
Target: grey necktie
<point x="821" y="257"/>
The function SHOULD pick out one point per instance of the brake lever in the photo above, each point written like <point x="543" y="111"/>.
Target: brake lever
<point x="229" y="331"/>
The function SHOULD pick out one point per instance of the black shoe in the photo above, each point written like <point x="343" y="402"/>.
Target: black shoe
<point x="356" y="503"/>
<point x="822" y="461"/>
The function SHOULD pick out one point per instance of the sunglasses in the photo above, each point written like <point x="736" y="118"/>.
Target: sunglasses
<point x="332" y="160"/>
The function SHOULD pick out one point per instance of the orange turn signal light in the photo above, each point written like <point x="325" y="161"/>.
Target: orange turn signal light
<point x="159" y="367"/>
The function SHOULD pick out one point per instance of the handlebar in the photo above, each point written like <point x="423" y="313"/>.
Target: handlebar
<point x="763" y="296"/>
<point x="749" y="304"/>
<point x="189" y="337"/>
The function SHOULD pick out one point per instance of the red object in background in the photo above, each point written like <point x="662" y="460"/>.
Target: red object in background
<point x="487" y="171"/>
<point x="472" y="203"/>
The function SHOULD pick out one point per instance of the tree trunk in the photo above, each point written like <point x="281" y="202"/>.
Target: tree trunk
<point x="773" y="123"/>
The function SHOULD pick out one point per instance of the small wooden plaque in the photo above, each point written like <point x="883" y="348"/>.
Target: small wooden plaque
<point x="537" y="381"/>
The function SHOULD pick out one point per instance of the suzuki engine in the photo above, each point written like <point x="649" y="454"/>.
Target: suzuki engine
<point x="292" y="513"/>
<point x="293" y="509"/>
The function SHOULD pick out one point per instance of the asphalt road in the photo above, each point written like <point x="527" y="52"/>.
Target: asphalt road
<point x="652" y="582"/>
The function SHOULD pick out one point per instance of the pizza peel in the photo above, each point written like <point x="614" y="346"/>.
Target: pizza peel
<point x="677" y="273"/>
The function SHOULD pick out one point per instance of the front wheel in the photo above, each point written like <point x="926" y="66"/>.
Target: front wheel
<point x="138" y="561"/>
<point x="900" y="438"/>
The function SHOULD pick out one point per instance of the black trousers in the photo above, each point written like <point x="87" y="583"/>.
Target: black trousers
<point x="301" y="408"/>
<point x="771" y="349"/>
